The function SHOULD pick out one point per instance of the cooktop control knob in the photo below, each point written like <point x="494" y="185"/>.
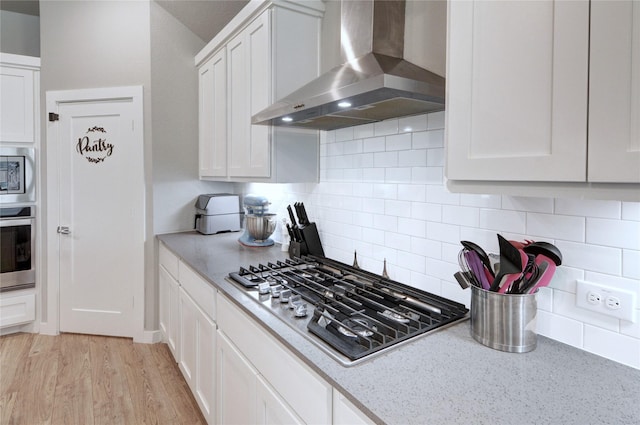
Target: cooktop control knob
<point x="285" y="295"/>
<point x="300" y="310"/>
<point x="276" y="290"/>
<point x="264" y="288"/>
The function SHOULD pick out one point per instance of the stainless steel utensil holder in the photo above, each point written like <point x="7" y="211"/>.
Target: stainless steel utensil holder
<point x="505" y="322"/>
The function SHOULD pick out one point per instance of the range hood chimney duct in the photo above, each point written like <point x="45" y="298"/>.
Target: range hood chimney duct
<point x="374" y="82"/>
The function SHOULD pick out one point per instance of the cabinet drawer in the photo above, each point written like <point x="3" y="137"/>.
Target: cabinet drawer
<point x="198" y="289"/>
<point x="168" y="260"/>
<point x="17" y="310"/>
<point x="308" y="394"/>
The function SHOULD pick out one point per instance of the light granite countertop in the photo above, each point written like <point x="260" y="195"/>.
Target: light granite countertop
<point x="445" y="377"/>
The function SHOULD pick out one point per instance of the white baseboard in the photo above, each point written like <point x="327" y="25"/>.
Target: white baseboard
<point x="149" y="337"/>
<point x="48" y="329"/>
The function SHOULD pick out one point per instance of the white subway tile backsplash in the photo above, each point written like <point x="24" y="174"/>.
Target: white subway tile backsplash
<point x="363" y="131"/>
<point x="463" y="216"/>
<point x="427" y="175"/>
<point x="398" y="142"/>
<point x="614" y="233"/>
<point x="435" y="157"/>
<point x="612" y="345"/>
<point x="591" y="257"/>
<point x="631" y="211"/>
<point x="385" y="191"/>
<point x="397" y="175"/>
<point x="373" y="174"/>
<point x="412" y="158"/>
<point x="521" y="203"/>
<point x="556" y="226"/>
<point x="503" y="221"/>
<point x="443" y="232"/>
<point x="560" y="328"/>
<point x="412" y="192"/>
<point x="385" y="128"/>
<point x="426" y="212"/>
<point x="435" y="120"/>
<point x="385" y="159"/>
<point x="382" y="193"/>
<point x="385" y="222"/>
<point x="594" y="208"/>
<point x="397" y="208"/>
<point x="413" y="124"/>
<point x="631" y="264"/>
<point x="426" y="247"/>
<point x="484" y="201"/>
<point x="438" y="194"/>
<point x="412" y="227"/>
<point x="373" y="144"/>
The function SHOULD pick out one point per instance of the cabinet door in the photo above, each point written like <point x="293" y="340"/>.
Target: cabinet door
<point x="188" y="337"/>
<point x="17" y="105"/>
<point x="345" y="413"/>
<point x="213" y="116"/>
<point x="236" y="385"/>
<point x="169" y="310"/>
<point x="205" y="375"/>
<point x="517" y="90"/>
<point x="271" y="408"/>
<point x="614" y="92"/>
<point x="249" y="82"/>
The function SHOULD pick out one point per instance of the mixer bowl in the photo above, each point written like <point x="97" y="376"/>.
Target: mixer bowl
<point x="260" y="227"/>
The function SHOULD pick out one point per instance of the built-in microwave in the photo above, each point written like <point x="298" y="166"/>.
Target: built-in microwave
<point x="17" y="183"/>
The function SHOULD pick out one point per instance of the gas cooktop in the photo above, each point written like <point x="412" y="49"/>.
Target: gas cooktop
<point x="350" y="313"/>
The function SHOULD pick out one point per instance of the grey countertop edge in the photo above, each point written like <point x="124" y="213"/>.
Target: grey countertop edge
<point x="555" y="383"/>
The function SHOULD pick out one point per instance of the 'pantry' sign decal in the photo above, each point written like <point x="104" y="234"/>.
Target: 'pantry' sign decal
<point x="94" y="145"/>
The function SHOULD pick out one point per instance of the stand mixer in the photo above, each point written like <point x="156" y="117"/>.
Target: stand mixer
<point x="259" y="224"/>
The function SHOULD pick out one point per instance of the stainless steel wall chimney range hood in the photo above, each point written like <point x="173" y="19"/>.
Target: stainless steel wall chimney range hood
<point x="374" y="82"/>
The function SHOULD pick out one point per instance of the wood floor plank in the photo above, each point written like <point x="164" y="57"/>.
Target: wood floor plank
<point x="87" y="379"/>
<point x="74" y="385"/>
<point x="177" y="388"/>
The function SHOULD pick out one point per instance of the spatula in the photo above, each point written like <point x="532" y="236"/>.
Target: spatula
<point x="510" y="262"/>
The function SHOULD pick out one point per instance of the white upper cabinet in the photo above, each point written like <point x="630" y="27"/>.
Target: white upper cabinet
<point x="544" y="92"/>
<point x="517" y="90"/>
<point x="212" y="78"/>
<point x="614" y="92"/>
<point x="268" y="50"/>
<point x="20" y="88"/>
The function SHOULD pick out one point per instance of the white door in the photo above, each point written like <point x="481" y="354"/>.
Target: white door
<point x="100" y="203"/>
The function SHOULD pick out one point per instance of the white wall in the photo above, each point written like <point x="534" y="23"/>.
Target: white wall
<point x="174" y="83"/>
<point x="19" y="34"/>
<point x="382" y="194"/>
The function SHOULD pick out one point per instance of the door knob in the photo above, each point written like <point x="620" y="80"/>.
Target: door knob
<point x="64" y="230"/>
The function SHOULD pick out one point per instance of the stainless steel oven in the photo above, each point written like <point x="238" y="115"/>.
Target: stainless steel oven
<point x="17" y="183"/>
<point x="17" y="248"/>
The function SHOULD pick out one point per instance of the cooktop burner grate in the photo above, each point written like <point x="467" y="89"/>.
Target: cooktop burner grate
<point x="355" y="312"/>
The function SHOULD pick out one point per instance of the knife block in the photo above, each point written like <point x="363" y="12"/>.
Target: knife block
<point x="312" y="239"/>
<point x="297" y="249"/>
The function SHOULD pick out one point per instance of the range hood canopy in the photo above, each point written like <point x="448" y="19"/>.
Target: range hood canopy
<point x="373" y="84"/>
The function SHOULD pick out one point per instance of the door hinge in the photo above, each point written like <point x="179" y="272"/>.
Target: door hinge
<point x="53" y="117"/>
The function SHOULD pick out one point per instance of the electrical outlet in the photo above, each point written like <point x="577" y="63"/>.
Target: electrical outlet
<point x="606" y="300"/>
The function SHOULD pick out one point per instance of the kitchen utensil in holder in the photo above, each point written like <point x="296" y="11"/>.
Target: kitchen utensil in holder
<point x="505" y="322"/>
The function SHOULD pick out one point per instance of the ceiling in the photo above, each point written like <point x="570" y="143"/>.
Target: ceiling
<point x="205" y="18"/>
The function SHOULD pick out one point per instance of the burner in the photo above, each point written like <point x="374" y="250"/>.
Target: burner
<point x="401" y="317"/>
<point x="359" y="325"/>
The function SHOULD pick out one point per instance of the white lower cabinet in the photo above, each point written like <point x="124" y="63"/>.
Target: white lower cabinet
<point x="271" y="408"/>
<point x="17" y="309"/>
<point x="169" y="310"/>
<point x="236" y="382"/>
<point x="188" y="327"/>
<point x="288" y="390"/>
<point x="345" y="413"/>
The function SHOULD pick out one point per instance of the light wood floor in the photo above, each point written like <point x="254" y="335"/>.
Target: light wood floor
<point x="85" y="379"/>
